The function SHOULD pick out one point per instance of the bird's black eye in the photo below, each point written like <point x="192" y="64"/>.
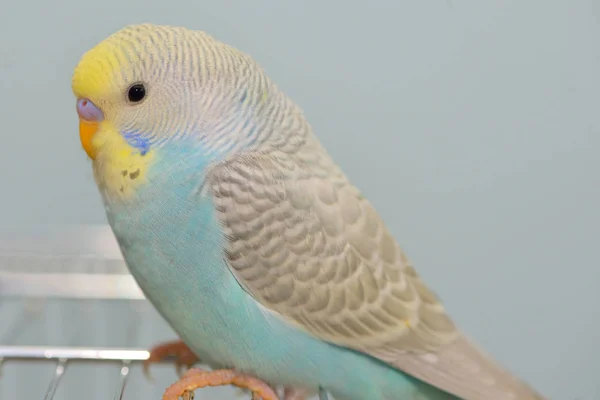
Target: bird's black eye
<point x="136" y="93"/>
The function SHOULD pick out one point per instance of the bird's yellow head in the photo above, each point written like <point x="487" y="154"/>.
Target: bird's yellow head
<point x="125" y="89"/>
<point x="148" y="83"/>
<point x="146" y="86"/>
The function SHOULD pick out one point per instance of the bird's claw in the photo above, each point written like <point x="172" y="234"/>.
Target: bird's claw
<point x="197" y="378"/>
<point x="188" y="395"/>
<point x="184" y="357"/>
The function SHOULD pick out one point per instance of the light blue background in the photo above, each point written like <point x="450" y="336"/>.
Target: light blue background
<point x="473" y="126"/>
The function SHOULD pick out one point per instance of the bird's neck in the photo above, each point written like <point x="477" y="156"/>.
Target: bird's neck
<point x="169" y="206"/>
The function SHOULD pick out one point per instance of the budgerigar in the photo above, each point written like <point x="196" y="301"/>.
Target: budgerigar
<point x="248" y="238"/>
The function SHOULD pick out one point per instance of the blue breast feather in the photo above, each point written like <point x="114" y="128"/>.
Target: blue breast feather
<point x="173" y="245"/>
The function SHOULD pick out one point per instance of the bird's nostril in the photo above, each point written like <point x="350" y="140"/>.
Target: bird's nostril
<point x="88" y="111"/>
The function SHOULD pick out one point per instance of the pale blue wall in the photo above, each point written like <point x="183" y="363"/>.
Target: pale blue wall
<point x="472" y="125"/>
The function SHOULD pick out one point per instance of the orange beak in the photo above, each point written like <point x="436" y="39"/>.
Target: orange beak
<point x="90" y="117"/>
<point x="87" y="130"/>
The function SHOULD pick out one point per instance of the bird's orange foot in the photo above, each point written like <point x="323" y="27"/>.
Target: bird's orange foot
<point x="197" y="378"/>
<point x="184" y="357"/>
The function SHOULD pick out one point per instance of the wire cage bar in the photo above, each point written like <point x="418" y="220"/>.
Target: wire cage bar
<point x="73" y="263"/>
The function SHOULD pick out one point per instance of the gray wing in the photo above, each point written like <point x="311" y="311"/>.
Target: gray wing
<point x="306" y="245"/>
